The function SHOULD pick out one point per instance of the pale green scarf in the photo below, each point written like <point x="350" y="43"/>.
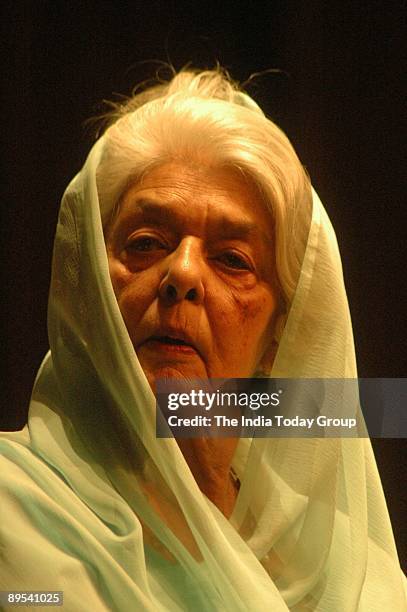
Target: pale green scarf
<point x="310" y="529"/>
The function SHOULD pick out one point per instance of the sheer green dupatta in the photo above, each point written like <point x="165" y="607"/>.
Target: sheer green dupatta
<point x="111" y="514"/>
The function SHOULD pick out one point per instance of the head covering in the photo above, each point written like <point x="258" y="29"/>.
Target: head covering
<point x="97" y="506"/>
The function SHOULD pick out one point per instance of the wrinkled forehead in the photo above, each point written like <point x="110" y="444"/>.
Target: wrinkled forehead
<point x="176" y="191"/>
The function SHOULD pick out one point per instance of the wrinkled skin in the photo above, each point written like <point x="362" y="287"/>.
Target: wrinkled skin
<point x="183" y="241"/>
<point x="191" y="258"/>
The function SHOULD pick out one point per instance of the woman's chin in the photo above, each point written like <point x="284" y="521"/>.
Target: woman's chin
<point x="168" y="372"/>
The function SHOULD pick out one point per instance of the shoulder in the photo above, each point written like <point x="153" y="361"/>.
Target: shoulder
<point x="39" y="540"/>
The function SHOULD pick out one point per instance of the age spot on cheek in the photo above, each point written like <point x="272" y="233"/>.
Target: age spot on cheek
<point x="250" y="307"/>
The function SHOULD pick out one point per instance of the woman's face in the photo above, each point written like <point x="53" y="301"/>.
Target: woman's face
<point x="191" y="261"/>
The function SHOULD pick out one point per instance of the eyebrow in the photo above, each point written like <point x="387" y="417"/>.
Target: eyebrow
<point x="161" y="214"/>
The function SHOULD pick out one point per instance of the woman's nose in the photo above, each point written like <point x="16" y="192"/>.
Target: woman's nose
<point x="183" y="280"/>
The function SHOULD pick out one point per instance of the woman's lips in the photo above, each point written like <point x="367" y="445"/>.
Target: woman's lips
<point x="169" y="346"/>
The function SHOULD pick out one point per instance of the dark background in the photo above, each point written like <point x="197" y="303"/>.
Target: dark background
<point x="339" y="98"/>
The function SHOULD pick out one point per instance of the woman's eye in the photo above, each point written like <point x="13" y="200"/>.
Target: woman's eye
<point x="231" y="260"/>
<point x="145" y="244"/>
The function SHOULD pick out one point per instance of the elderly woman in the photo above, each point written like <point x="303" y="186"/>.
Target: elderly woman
<point x="191" y="245"/>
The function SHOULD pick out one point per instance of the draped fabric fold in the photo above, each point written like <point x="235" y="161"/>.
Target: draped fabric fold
<point x="95" y="505"/>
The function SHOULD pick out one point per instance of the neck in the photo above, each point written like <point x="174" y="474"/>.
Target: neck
<point x="209" y="460"/>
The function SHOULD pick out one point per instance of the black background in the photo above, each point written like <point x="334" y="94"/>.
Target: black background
<point x="339" y="98"/>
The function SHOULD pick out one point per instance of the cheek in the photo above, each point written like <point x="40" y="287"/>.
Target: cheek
<point x="254" y="310"/>
<point x="119" y="275"/>
<point x="134" y="301"/>
<point x="134" y="293"/>
<point x="248" y="316"/>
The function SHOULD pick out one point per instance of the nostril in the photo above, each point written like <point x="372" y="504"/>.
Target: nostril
<point x="191" y="295"/>
<point x="171" y="292"/>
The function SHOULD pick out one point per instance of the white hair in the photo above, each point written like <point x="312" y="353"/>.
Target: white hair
<point x="203" y="117"/>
